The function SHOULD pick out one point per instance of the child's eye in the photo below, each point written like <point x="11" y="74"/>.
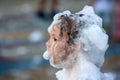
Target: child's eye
<point x="55" y="39"/>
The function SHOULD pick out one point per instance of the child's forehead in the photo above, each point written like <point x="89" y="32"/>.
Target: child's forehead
<point x="55" y="29"/>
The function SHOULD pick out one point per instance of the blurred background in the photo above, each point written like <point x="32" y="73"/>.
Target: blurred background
<point x="23" y="33"/>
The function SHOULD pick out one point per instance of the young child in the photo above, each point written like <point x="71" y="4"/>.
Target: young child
<point x="77" y="44"/>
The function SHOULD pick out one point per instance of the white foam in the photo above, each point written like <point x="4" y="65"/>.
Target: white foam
<point x="56" y="19"/>
<point x="46" y="55"/>
<point x="96" y="36"/>
<point x="89" y="16"/>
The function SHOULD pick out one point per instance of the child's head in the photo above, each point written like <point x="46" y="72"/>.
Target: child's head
<point x="61" y="44"/>
<point x="74" y="34"/>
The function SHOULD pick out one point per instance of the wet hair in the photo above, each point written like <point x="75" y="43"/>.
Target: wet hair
<point x="68" y="25"/>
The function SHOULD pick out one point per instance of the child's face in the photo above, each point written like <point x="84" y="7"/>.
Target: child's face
<point x="60" y="44"/>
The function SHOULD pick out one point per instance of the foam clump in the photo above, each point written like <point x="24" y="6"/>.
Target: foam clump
<point x="83" y="58"/>
<point x="56" y="18"/>
<point x="89" y="16"/>
<point x="67" y="12"/>
<point x="96" y="36"/>
<point x="46" y="55"/>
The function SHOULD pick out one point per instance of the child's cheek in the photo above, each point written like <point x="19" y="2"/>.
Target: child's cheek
<point x="59" y="52"/>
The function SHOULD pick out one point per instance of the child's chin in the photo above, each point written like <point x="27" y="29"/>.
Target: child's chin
<point x="62" y="64"/>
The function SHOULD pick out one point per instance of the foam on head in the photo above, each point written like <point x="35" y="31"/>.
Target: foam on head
<point x="89" y="16"/>
<point x="56" y="18"/>
<point x="91" y="36"/>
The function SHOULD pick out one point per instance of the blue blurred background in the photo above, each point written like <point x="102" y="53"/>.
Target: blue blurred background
<point x="23" y="33"/>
